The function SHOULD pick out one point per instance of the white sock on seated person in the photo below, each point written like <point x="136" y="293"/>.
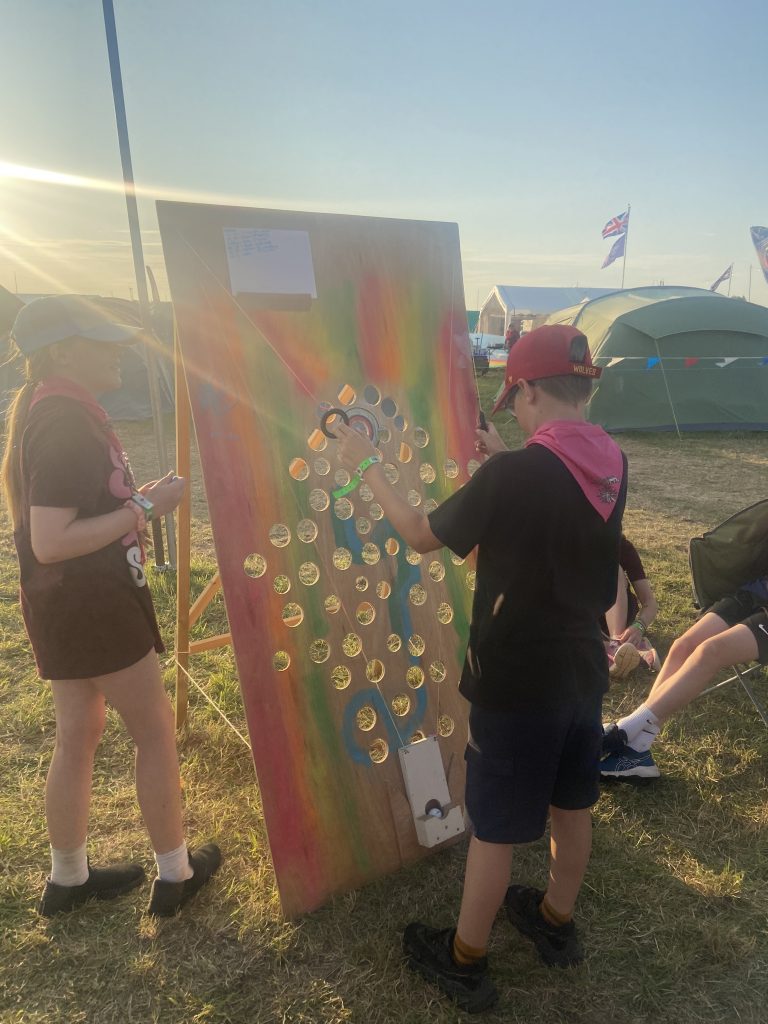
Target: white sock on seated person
<point x="642" y="727"/>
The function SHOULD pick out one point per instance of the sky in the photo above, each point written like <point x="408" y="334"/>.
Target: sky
<point x="529" y="124"/>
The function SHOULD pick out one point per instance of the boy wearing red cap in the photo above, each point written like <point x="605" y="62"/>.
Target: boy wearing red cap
<point x="547" y="522"/>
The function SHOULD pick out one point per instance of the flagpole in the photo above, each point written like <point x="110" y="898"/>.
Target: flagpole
<point x="626" y="241"/>
<point x="730" y="278"/>
<point x="138" y="260"/>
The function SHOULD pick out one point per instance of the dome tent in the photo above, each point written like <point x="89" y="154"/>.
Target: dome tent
<point x="676" y="357"/>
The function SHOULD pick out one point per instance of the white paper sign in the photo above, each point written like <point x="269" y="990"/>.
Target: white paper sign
<point x="269" y="261"/>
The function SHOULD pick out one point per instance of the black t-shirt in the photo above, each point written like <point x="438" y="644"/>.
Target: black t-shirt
<point x="546" y="571"/>
<point x="630" y="561"/>
<point x="91" y="615"/>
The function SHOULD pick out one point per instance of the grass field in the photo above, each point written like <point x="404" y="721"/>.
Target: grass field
<point x="674" y="912"/>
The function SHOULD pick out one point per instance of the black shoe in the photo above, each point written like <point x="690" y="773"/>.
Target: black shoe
<point x="101" y="884"/>
<point x="429" y="951"/>
<point x="558" y="946"/>
<point x="614" y="739"/>
<point x="167" y="898"/>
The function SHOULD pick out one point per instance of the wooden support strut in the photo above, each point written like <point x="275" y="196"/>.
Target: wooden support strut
<point x="187" y="615"/>
<point x="184" y="463"/>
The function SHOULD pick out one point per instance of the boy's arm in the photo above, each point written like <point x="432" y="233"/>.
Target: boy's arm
<point x="412" y="525"/>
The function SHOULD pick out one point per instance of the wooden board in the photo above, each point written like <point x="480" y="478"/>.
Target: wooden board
<point x="347" y="644"/>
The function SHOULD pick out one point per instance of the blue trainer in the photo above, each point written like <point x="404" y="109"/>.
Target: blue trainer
<point x="629" y="764"/>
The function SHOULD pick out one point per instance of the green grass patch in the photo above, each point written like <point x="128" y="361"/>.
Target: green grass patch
<point x="674" y="908"/>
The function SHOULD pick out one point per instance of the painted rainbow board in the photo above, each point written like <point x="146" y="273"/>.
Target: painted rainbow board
<point x="348" y="644"/>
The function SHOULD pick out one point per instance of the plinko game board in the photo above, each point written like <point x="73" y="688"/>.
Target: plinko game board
<point x="348" y="644"/>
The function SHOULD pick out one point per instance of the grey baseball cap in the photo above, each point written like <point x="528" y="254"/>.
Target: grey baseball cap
<point x="58" y="317"/>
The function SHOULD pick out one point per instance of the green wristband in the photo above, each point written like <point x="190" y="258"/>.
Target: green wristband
<point x="366" y="464"/>
<point x="357" y="477"/>
<point x="640" y="625"/>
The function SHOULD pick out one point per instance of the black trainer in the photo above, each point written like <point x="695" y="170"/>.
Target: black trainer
<point x="614" y="739"/>
<point x="167" y="898"/>
<point x="429" y="951"/>
<point x="101" y="884"/>
<point x="558" y="946"/>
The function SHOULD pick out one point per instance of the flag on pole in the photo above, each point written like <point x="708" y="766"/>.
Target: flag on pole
<point x="760" y="239"/>
<point x="725" y="276"/>
<point x="617" y="250"/>
<point x="617" y="225"/>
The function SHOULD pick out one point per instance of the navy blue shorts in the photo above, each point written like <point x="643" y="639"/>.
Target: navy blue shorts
<point x="746" y="609"/>
<point x="521" y="762"/>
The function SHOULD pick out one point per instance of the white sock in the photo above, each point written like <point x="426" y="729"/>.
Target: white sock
<point x="69" y="867"/>
<point x="174" y="866"/>
<point x="642" y="727"/>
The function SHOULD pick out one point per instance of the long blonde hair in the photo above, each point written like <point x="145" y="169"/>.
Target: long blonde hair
<point x="38" y="366"/>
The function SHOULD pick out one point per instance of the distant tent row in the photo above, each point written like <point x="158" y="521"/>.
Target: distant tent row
<point x="131" y="401"/>
<point x="676" y="358"/>
<point x="510" y="302"/>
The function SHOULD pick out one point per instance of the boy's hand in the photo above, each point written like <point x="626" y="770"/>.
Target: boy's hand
<point x="488" y="442"/>
<point x="354" y="447"/>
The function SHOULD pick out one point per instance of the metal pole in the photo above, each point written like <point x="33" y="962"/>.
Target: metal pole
<point x="749" y="289"/>
<point x="138" y="255"/>
<point x="626" y="243"/>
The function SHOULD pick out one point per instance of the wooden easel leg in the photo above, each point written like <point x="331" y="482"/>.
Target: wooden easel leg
<point x="184" y="464"/>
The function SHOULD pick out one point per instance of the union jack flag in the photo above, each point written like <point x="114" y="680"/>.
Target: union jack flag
<point x="616" y="225"/>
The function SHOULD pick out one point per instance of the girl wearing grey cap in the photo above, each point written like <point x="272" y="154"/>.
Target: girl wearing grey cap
<point x="78" y="522"/>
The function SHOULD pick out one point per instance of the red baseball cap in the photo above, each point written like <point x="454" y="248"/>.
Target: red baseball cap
<point x="545" y="352"/>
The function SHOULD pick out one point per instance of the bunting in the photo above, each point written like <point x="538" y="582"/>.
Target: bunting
<point x="721" y="362"/>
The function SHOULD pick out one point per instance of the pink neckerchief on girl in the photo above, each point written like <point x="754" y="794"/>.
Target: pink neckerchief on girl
<point x="63" y="387"/>
<point x="592" y="458"/>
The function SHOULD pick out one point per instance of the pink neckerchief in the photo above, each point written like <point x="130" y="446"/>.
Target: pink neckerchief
<point x="593" y="459"/>
<point x="62" y="387"/>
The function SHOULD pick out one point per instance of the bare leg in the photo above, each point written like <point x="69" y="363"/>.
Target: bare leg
<point x="570" y="846"/>
<point x="138" y="696"/>
<point x="485" y="884"/>
<point x="735" y="645"/>
<point x="707" y="626"/>
<point x="616" y="617"/>
<point x="79" y="724"/>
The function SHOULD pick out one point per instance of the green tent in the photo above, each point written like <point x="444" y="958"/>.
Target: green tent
<point x="676" y="358"/>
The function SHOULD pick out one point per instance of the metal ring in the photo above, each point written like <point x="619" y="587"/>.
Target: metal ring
<point x="328" y="415"/>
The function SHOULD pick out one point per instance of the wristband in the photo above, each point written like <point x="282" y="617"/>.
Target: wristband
<point x="639" y="624"/>
<point x="366" y="464"/>
<point x="357" y="477"/>
<point x="145" y="505"/>
<point x="141" y="519"/>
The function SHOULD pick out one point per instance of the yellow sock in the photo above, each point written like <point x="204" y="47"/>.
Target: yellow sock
<point x="552" y="916"/>
<point x="465" y="955"/>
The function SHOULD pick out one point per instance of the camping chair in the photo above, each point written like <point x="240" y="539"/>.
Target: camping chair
<point x="722" y="560"/>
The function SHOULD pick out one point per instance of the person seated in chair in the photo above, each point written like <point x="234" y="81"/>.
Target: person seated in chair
<point x="732" y="631"/>
<point x="627" y="622"/>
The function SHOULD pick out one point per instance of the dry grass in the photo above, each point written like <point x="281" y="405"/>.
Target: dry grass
<point x="674" y="909"/>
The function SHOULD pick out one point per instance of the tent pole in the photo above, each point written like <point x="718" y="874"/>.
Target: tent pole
<point x="669" y="393"/>
<point x="138" y="257"/>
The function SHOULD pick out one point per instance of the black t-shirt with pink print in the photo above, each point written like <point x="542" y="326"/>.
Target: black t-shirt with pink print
<point x="91" y="615"/>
